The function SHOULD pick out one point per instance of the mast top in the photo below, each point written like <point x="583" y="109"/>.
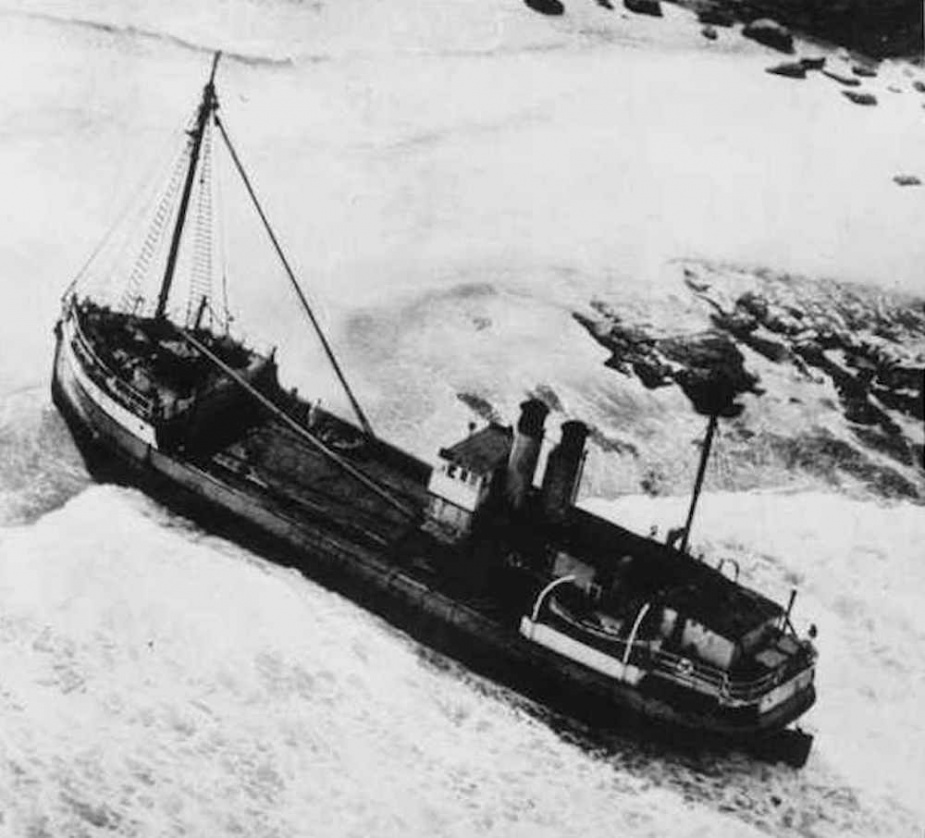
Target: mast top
<point x="215" y="58"/>
<point x="207" y="107"/>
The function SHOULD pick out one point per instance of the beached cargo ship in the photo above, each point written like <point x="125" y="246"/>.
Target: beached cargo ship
<point x="483" y="554"/>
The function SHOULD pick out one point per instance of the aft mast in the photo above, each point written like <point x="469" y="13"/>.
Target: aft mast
<point x="206" y="108"/>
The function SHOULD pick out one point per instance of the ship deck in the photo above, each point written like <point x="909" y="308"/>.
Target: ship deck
<point x="273" y="462"/>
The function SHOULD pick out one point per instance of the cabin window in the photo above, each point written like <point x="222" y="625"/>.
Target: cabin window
<point x="595" y="592"/>
<point x="451" y="470"/>
<point x="463" y="475"/>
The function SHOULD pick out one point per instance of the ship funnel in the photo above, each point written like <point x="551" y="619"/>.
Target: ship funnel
<point x="563" y="471"/>
<point x="525" y="451"/>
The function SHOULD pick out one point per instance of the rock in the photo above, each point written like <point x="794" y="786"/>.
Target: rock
<point x="652" y="8"/>
<point x="814" y="62"/>
<point x="894" y="89"/>
<point x="768" y="344"/>
<point x="848" y="81"/>
<point x="715" y="16"/>
<point x="546" y="7"/>
<point x="919" y="85"/>
<point x="709" y="32"/>
<point x="790" y="69"/>
<point x="755" y="304"/>
<point x="770" y="33"/>
<point x="739" y="323"/>
<point x="652" y="372"/>
<point x="907" y="180"/>
<point x="860" y="98"/>
<point x="864" y="70"/>
<point x="712" y="372"/>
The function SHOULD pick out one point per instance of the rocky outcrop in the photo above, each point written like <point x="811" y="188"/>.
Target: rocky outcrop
<point x="813" y="62"/>
<point x="707" y="367"/>
<point x="847" y="81"/>
<point x="907" y="180"/>
<point x="789" y="69"/>
<point x="546" y="7"/>
<point x="861" y="344"/>
<point x="842" y="390"/>
<point x="865" y="71"/>
<point x="770" y="33"/>
<point x="878" y="28"/>
<point x="652" y="8"/>
<point x="860" y="98"/>
<point x="715" y="16"/>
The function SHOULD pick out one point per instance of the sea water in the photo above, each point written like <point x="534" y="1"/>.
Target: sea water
<point x="451" y="183"/>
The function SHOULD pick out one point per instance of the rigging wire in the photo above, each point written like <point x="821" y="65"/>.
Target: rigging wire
<point x="144" y="184"/>
<point x="222" y="241"/>
<point x="200" y="284"/>
<point x="284" y="417"/>
<point x="294" y="283"/>
<point x="152" y="246"/>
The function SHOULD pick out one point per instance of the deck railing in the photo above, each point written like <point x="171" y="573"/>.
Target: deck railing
<point x="698" y="675"/>
<point x="713" y="679"/>
<point x="138" y="403"/>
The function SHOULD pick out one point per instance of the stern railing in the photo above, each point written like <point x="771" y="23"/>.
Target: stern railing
<point x="697" y="675"/>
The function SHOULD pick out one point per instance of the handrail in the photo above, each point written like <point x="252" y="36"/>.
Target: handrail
<point x="545" y="592"/>
<point x="669" y="664"/>
<point x="137" y="400"/>
<point x="678" y="668"/>
<point x="632" y="635"/>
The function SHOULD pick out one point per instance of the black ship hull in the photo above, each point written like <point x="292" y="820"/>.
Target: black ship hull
<point x="383" y="574"/>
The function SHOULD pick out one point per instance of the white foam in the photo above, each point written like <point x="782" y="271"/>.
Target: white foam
<point x="195" y="689"/>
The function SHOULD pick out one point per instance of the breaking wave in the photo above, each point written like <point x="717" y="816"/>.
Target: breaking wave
<point x="42" y="468"/>
<point x="232" y="695"/>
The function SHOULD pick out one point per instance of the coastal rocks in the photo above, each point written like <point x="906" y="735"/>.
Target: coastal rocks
<point x="919" y="86"/>
<point x="871" y="27"/>
<point x="769" y="33"/>
<point x="789" y="69"/>
<point x="813" y="62"/>
<point x="907" y="180"/>
<point x="711" y="372"/>
<point x="798" y="69"/>
<point x="709" y="32"/>
<point x="644" y="7"/>
<point x="706" y="366"/>
<point x="831" y="375"/>
<point x="546" y="7"/>
<point x="860" y="98"/>
<point x="864" y="70"/>
<point x="847" y="81"/>
<point x="854" y="340"/>
<point x="714" y="16"/>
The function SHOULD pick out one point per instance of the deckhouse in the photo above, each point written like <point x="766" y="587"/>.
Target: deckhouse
<point x="462" y="480"/>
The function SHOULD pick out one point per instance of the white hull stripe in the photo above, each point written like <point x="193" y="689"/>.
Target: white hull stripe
<point x="570" y="648"/>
